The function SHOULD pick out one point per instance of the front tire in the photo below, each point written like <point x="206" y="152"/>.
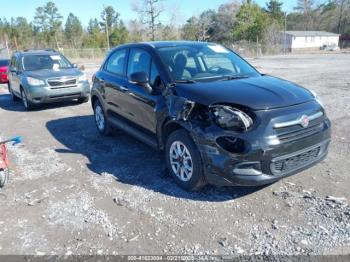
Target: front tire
<point x="83" y="100"/>
<point x="184" y="161"/>
<point x="26" y="103"/>
<point x="13" y="96"/>
<point x="4" y="176"/>
<point x="101" y="120"/>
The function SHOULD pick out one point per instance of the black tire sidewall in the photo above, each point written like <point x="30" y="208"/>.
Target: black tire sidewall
<point x="4" y="177"/>
<point x="29" y="105"/>
<point x="197" y="180"/>
<point x="83" y="100"/>
<point x="13" y="96"/>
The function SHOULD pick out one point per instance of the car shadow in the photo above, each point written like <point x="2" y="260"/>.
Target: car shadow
<point x="8" y="104"/>
<point x="128" y="160"/>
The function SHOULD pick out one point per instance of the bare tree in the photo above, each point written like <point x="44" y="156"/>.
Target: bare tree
<point x="150" y="12"/>
<point x="305" y="7"/>
<point x="343" y="7"/>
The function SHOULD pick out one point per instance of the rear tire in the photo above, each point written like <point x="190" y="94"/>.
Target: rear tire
<point x="83" y="100"/>
<point x="13" y="96"/>
<point x="184" y="161"/>
<point x="101" y="120"/>
<point x="26" y="103"/>
<point x="4" y="176"/>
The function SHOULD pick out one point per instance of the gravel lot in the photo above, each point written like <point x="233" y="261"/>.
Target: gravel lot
<point x="74" y="192"/>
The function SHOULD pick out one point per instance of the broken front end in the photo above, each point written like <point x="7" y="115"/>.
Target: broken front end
<point x="241" y="146"/>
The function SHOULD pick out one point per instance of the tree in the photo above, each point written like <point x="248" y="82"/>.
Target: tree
<point x="136" y="31"/>
<point x="47" y="22"/>
<point x="94" y="38"/>
<point x="119" y="34"/>
<point x="21" y="32"/>
<point x="223" y="23"/>
<point x="343" y="15"/>
<point x="149" y="12"/>
<point x="109" y="17"/>
<point x="73" y="30"/>
<point x="251" y="22"/>
<point x="113" y="26"/>
<point x="190" y="31"/>
<point x="305" y="7"/>
<point x="274" y="9"/>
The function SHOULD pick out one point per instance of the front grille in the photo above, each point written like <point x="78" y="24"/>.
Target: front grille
<point x="65" y="96"/>
<point x="296" y="132"/>
<point x="62" y="83"/>
<point x="294" y="162"/>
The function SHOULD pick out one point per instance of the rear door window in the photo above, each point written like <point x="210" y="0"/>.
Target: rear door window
<point x="116" y="62"/>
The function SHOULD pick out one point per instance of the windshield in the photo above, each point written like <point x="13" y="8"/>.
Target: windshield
<point x="4" y="62"/>
<point x="204" y="63"/>
<point x="42" y="62"/>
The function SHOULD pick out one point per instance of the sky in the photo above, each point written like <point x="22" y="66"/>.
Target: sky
<point x="86" y="9"/>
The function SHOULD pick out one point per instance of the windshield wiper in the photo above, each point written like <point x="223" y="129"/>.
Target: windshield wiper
<point x="185" y="81"/>
<point x="233" y="77"/>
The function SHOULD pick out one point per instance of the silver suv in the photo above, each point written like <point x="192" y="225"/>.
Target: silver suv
<point x="45" y="76"/>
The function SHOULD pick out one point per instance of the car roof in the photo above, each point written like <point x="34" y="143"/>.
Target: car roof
<point x="38" y="52"/>
<point x="158" y="44"/>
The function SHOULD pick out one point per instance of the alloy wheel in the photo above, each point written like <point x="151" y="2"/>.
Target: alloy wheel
<point x="24" y="99"/>
<point x="99" y="118"/>
<point x="181" y="161"/>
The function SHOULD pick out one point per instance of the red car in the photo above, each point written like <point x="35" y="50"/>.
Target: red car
<point x="4" y="63"/>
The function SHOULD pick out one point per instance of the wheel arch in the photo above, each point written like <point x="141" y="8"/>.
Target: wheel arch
<point x="169" y="127"/>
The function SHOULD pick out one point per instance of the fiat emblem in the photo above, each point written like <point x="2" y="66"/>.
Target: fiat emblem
<point x="304" y="121"/>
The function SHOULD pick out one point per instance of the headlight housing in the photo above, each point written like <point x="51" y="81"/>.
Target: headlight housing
<point x="231" y="118"/>
<point x="317" y="98"/>
<point x="35" y="82"/>
<point x="82" y="78"/>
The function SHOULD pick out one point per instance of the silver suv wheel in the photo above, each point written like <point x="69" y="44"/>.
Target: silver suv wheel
<point x="181" y="161"/>
<point x="24" y="99"/>
<point x="99" y="118"/>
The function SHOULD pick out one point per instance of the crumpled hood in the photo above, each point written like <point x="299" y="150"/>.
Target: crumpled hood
<point x="45" y="74"/>
<point x="257" y="93"/>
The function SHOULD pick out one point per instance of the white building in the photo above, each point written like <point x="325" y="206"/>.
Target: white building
<point x="308" y="40"/>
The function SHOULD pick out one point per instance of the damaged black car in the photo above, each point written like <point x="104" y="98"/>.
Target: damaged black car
<point x="218" y="120"/>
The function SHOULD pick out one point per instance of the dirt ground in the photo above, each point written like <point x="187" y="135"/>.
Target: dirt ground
<point x="74" y="192"/>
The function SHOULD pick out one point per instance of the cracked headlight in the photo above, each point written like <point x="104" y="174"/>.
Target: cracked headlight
<point x="231" y="118"/>
<point x="35" y="82"/>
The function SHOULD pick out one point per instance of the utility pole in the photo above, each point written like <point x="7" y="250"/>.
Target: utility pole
<point x="107" y="31"/>
<point x="7" y="47"/>
<point x="285" y="33"/>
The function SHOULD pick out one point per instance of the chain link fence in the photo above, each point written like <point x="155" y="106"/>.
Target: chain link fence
<point x="4" y="54"/>
<point x="244" y="48"/>
<point x="86" y="53"/>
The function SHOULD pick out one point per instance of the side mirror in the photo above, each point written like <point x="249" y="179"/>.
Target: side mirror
<point x="141" y="79"/>
<point x="75" y="66"/>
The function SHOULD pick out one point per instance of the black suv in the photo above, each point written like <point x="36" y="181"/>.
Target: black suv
<point x="218" y="119"/>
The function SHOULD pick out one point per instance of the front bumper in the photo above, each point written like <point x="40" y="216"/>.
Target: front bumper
<point x="46" y="94"/>
<point x="262" y="161"/>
